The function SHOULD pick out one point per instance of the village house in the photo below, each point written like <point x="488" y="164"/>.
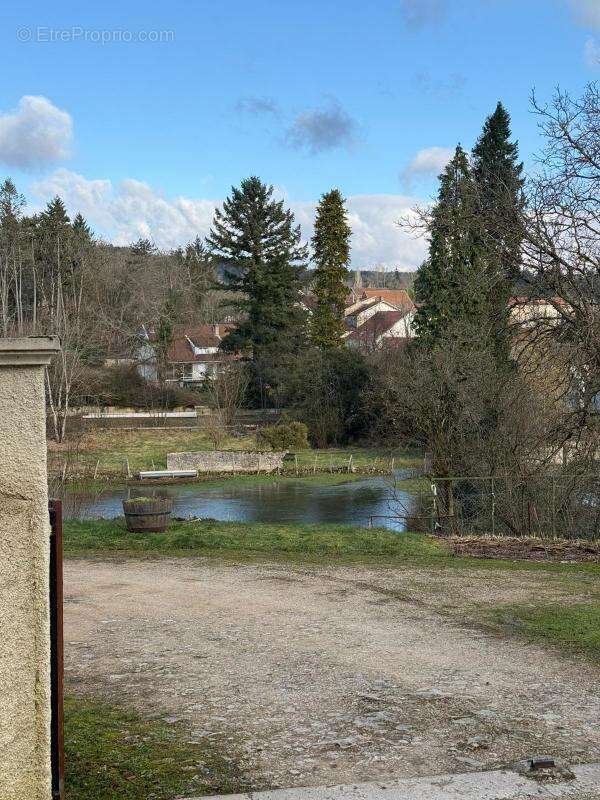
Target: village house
<point x="381" y="317"/>
<point x="383" y="329"/>
<point x="193" y="356"/>
<point x="358" y="313"/>
<point x="399" y="298"/>
<point x="527" y="311"/>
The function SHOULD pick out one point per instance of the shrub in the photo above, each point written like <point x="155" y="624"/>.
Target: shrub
<point x="285" y="436"/>
<point x="124" y="386"/>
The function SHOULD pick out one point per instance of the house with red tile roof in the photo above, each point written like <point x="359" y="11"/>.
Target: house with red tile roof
<point x="399" y="298"/>
<point x="193" y="355"/>
<point x="383" y="329"/>
<point x="381" y="317"/>
<point x="358" y="313"/>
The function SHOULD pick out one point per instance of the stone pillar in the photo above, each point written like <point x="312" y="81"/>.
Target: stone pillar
<point x="24" y="566"/>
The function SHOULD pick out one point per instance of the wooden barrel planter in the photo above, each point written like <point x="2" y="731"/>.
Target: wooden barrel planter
<point x="148" y="513"/>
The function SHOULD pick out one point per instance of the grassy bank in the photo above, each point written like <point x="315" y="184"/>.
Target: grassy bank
<point x="237" y="539"/>
<point x="112" y="753"/>
<point x="573" y="628"/>
<point x="325" y="544"/>
<point x="107" y="451"/>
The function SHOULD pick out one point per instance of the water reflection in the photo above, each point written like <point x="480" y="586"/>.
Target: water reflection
<point x="355" y="502"/>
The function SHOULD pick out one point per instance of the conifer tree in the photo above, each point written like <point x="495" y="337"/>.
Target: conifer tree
<point x="143" y="248"/>
<point x="200" y="264"/>
<point x="499" y="183"/>
<point x="164" y="335"/>
<point x="81" y="228"/>
<point x="448" y="286"/>
<point x="256" y="239"/>
<point x="331" y="255"/>
<point x="11" y="203"/>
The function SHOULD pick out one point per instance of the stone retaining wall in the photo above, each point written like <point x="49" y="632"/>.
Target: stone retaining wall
<point x="226" y="461"/>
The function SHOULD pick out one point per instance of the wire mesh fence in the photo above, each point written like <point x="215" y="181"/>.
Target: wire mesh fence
<point x="545" y="506"/>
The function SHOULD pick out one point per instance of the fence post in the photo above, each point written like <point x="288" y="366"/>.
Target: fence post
<point x="493" y="501"/>
<point x="296" y="462"/>
<point x="315" y="465"/>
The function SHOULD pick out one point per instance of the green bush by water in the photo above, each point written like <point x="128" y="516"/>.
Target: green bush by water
<point x="285" y="436"/>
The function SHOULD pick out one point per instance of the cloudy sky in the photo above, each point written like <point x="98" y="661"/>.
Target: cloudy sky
<point x="143" y="116"/>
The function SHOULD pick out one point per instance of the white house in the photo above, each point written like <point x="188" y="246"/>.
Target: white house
<point x="358" y="313"/>
<point x="385" y="328"/>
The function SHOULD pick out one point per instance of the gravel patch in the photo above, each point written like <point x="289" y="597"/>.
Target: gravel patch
<point x="329" y="676"/>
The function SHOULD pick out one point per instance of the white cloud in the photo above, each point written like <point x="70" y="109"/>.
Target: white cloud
<point x="587" y="12"/>
<point x="34" y="134"/>
<point x="427" y="162"/>
<point x="130" y="210"/>
<point x="377" y="238"/>
<point x="133" y="209"/>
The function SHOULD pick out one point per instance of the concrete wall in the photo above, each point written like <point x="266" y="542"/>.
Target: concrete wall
<point x="24" y="556"/>
<point x="226" y="461"/>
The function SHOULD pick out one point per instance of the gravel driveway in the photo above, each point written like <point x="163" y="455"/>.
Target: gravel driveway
<point x="329" y="675"/>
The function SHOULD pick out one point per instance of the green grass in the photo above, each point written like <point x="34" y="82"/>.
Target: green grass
<point x="574" y="628"/>
<point x="362" y="458"/>
<point x="142" y="448"/>
<point x="315" y="544"/>
<point x="146" y="448"/>
<point x="113" y="754"/>
<point x="296" y="542"/>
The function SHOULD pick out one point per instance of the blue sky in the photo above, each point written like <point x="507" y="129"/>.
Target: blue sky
<point x="146" y="131"/>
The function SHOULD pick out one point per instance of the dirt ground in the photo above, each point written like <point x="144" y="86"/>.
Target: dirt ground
<point x="330" y="675"/>
<point x="553" y="550"/>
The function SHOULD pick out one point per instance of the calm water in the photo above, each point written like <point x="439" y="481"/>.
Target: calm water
<point x="287" y="501"/>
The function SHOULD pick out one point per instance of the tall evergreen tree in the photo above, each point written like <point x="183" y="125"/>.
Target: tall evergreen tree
<point x="499" y="183"/>
<point x="257" y="240"/>
<point x="55" y="252"/>
<point x="331" y="247"/>
<point x="81" y="229"/>
<point x="448" y="286"/>
<point x="11" y="202"/>
<point x="164" y="335"/>
<point x="201" y="268"/>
